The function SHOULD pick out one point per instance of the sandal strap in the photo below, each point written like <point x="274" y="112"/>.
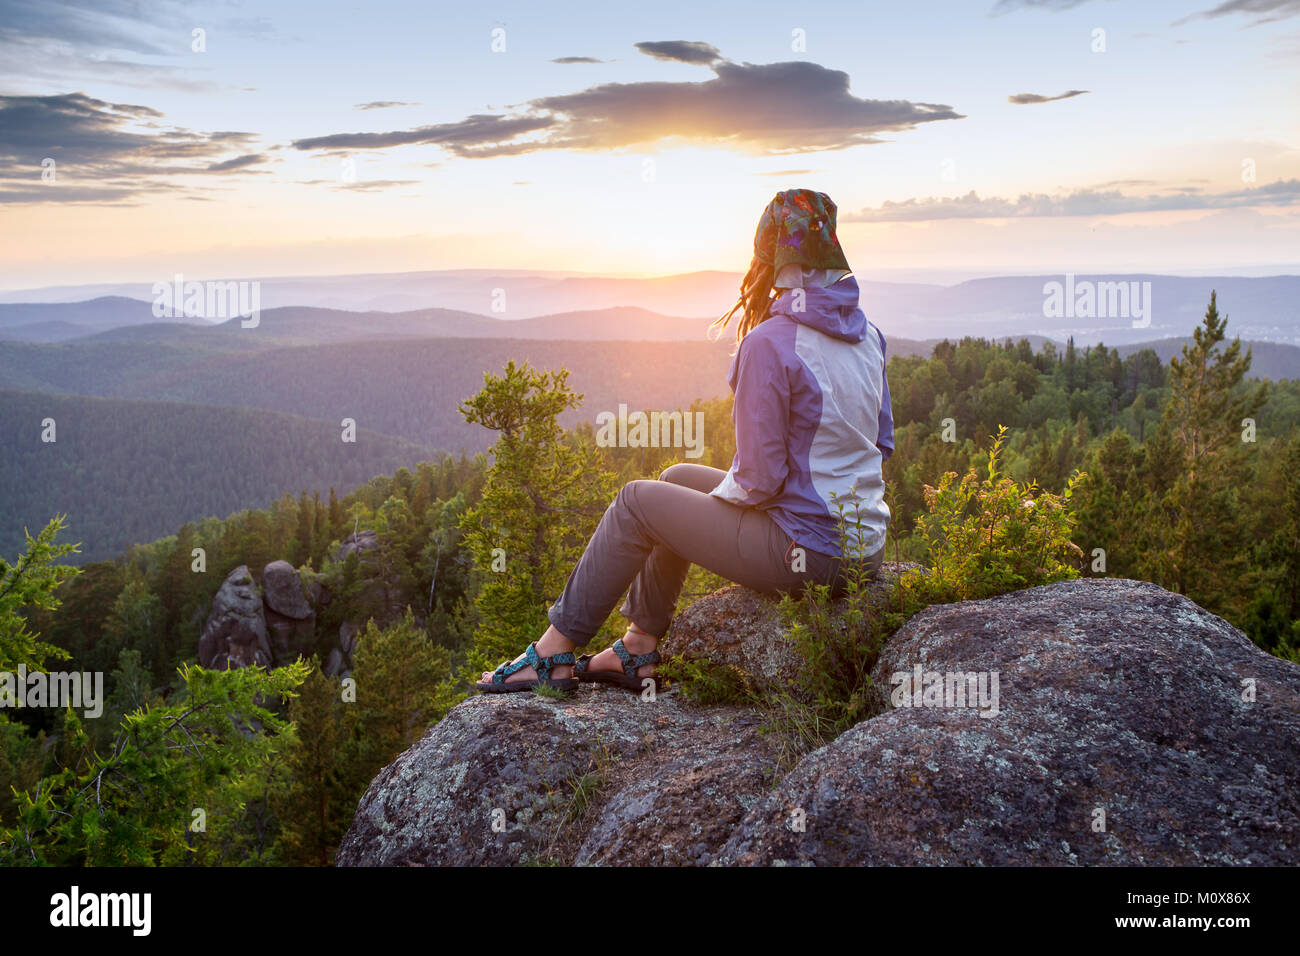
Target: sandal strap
<point x="632" y="663"/>
<point x="542" y="665"/>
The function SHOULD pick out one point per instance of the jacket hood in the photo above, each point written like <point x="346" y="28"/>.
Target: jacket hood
<point x="832" y="309"/>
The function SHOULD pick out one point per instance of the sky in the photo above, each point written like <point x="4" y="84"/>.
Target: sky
<point x="237" y="140"/>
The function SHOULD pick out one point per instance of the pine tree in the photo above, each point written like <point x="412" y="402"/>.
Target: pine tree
<point x="1206" y="407"/>
<point x="1204" y="547"/>
<point x="542" y="500"/>
<point x="400" y="676"/>
<point x="311" y="795"/>
<point x="31" y="582"/>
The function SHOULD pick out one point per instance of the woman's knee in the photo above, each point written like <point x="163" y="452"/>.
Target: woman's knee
<point x="632" y="491"/>
<point x="674" y="473"/>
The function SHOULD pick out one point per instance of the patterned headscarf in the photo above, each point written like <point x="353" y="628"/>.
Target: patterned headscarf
<point x="798" y="226"/>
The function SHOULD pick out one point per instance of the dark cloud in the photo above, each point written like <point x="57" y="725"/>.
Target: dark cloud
<point x="576" y="59"/>
<point x="1024" y="99"/>
<point x="681" y="51"/>
<point x="382" y="105"/>
<point x="108" y="150"/>
<point x="462" y="138"/>
<point x="1081" y="202"/>
<point x="771" y="108"/>
<point x="239" y="162"/>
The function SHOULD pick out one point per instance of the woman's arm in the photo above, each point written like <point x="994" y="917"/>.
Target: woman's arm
<point x="885" y="423"/>
<point x="761" y="413"/>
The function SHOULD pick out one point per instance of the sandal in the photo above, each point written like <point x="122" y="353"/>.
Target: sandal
<point x="542" y="665"/>
<point x="628" y="679"/>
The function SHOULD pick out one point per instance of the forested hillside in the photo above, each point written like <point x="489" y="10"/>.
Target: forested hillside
<point x="404" y="388"/>
<point x="127" y="471"/>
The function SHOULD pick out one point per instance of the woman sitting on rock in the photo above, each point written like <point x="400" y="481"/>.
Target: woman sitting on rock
<point x="813" y="429"/>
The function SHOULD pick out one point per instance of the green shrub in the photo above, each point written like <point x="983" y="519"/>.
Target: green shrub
<point x="988" y="536"/>
<point x="982" y="537"/>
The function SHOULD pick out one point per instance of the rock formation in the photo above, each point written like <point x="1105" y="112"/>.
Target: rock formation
<point x="235" y="632"/>
<point x="290" y="618"/>
<point x="277" y="624"/>
<point x="1126" y="726"/>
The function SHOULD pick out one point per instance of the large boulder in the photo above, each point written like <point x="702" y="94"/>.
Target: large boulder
<point x="290" y="638"/>
<point x="356" y="544"/>
<point x="290" y="619"/>
<point x="1130" y="727"/>
<point x="742" y="629"/>
<point x="234" y="634"/>
<point x="604" y="776"/>
<point x="283" y="591"/>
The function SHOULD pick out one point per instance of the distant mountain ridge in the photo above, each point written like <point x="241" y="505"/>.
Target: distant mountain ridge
<point x="1260" y="308"/>
<point x="61" y="321"/>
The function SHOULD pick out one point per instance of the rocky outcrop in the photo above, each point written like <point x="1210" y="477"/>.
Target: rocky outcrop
<point x="356" y="544"/>
<point x="277" y="624"/>
<point x="290" y="618"/>
<point x="283" y="591"/>
<point x="506" y="779"/>
<point x="741" y="628"/>
<point x="1128" y="726"/>
<point x="234" y="634"/>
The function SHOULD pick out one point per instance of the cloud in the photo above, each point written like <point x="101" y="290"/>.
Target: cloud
<point x="1081" y="202"/>
<point x="461" y="137"/>
<point x="61" y="43"/>
<point x="103" y="25"/>
<point x="382" y="105"/>
<point x="1262" y="11"/>
<point x="576" y="59"/>
<point x="1007" y="6"/>
<point x="762" y="109"/>
<point x="105" y="150"/>
<point x="239" y="162"/>
<point x="361" y="185"/>
<point x="1024" y="99"/>
<point x="681" y="51"/>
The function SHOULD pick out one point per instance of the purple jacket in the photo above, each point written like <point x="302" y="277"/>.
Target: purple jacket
<point x="813" y="420"/>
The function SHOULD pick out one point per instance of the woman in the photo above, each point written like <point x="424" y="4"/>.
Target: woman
<point x="813" y="429"/>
